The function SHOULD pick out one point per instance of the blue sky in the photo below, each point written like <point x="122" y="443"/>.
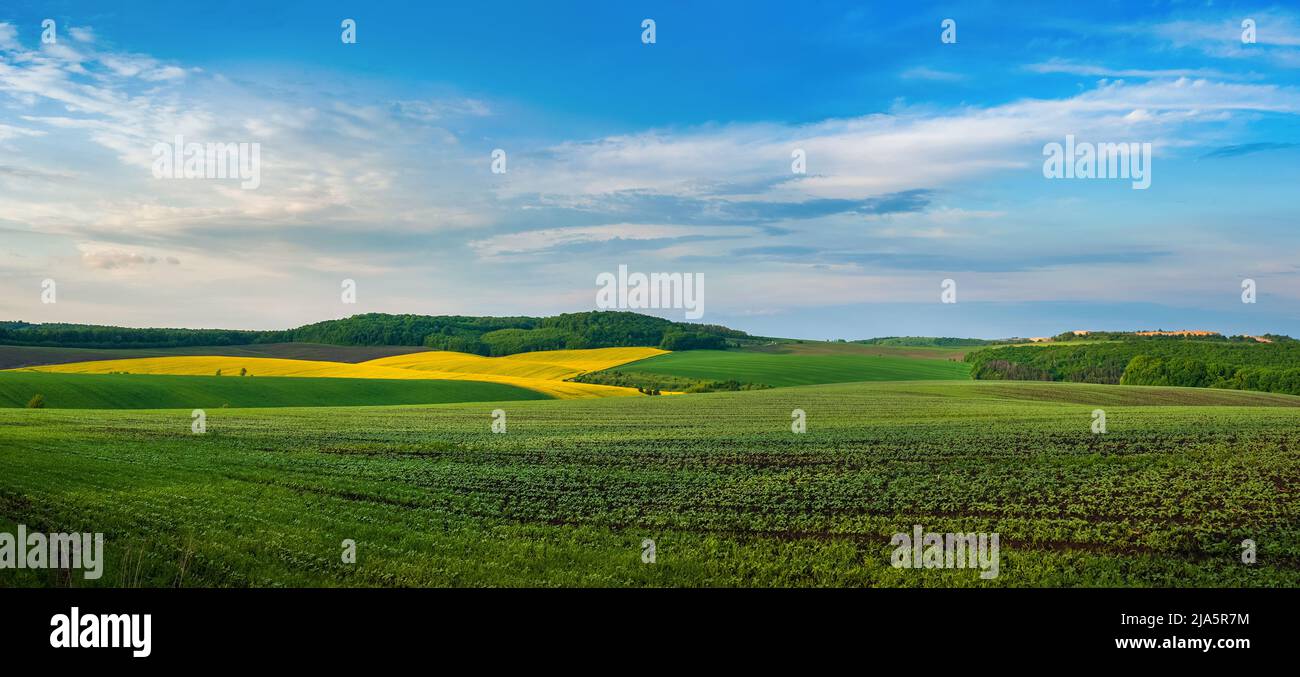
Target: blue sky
<point x="924" y="162"/>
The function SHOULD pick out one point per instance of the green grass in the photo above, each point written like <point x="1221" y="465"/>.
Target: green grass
<point x="149" y="391"/>
<point x="836" y="348"/>
<point x="729" y="494"/>
<point x="797" y="367"/>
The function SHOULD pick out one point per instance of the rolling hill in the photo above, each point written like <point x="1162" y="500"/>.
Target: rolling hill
<point x="13" y="357"/>
<point x="800" y="364"/>
<point x="548" y="364"/>
<point x="151" y="391"/>
<point x="541" y="372"/>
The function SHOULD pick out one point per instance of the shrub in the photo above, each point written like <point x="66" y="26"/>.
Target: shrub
<point x="37" y="402"/>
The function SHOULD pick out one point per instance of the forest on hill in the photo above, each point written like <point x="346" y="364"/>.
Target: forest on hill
<point x="492" y="336"/>
<point x="1239" y="365"/>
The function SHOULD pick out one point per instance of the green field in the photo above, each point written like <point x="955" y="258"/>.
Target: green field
<point x="803" y="365"/>
<point x="730" y="495"/>
<point x="147" y="391"/>
<point x="886" y="350"/>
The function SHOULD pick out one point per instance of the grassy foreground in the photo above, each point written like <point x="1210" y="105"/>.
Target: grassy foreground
<point x="729" y="494"/>
<point x="148" y="391"/>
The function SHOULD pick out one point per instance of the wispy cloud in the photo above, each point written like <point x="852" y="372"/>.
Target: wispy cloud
<point x="1099" y="71"/>
<point x="931" y="74"/>
<point x="909" y="149"/>
<point x="111" y="259"/>
<point x="1277" y="36"/>
<point x="549" y="240"/>
<point x="1248" y="148"/>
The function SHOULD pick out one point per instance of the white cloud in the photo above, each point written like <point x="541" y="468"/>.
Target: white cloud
<point x="1277" y="36"/>
<point x="927" y="73"/>
<point x="878" y="154"/>
<point x="8" y="36"/>
<point x="82" y="34"/>
<point x="111" y="259"/>
<point x="320" y="164"/>
<point x="10" y="132"/>
<point x="550" y="238"/>
<point x="435" y="110"/>
<point x="1098" y="71"/>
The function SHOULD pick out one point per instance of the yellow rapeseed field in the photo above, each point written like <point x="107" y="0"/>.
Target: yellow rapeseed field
<point x="549" y="364"/>
<point x="542" y="371"/>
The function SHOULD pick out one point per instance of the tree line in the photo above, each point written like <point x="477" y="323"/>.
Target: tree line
<point x="490" y="336"/>
<point x="1239" y="365"/>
